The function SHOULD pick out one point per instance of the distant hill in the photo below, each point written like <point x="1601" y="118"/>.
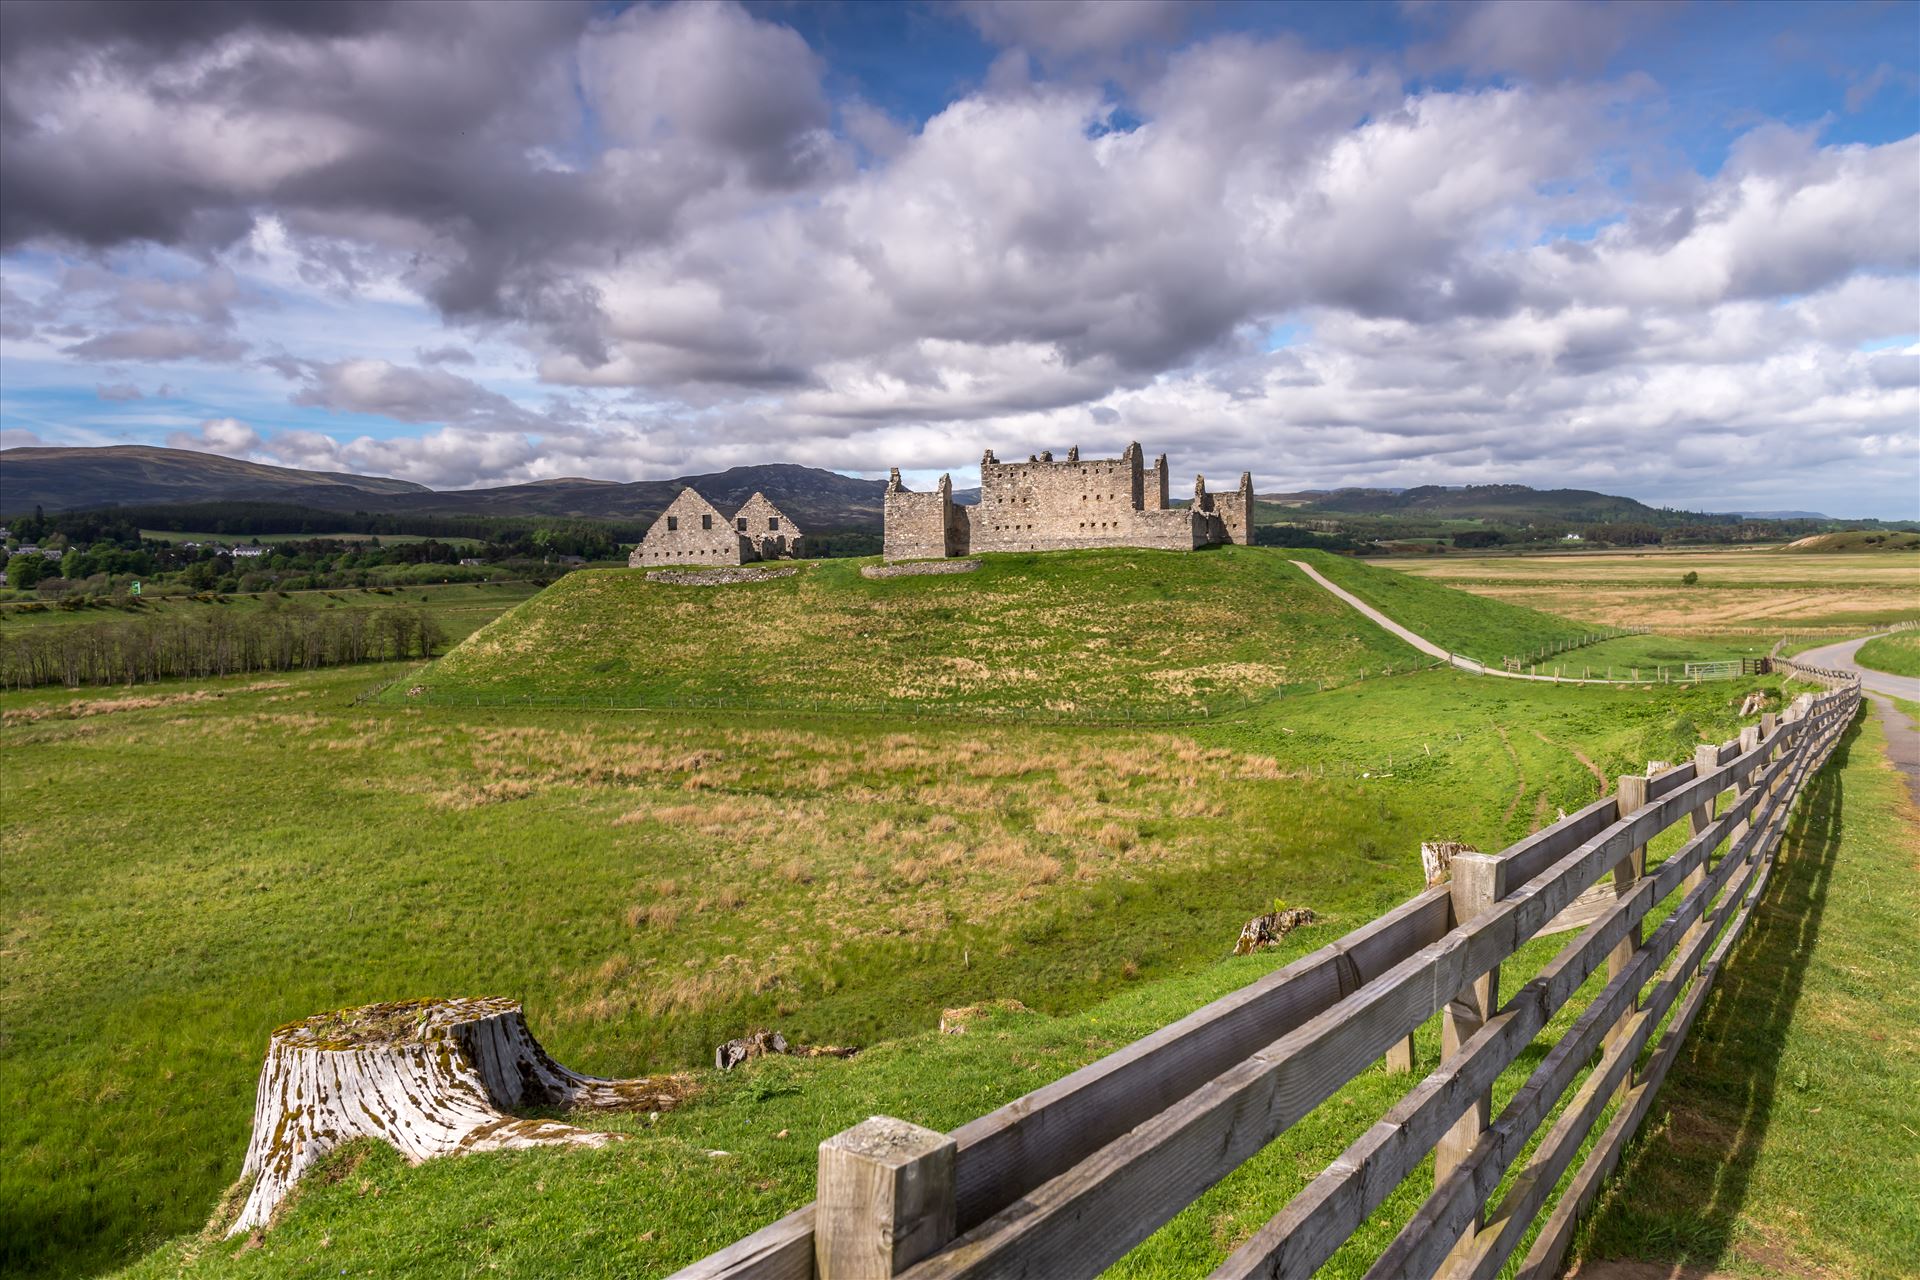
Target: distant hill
<point x="1857" y="540"/>
<point x="137" y="475"/>
<point x="1505" y="502"/>
<point x="818" y="500"/>
<point x="120" y="475"/>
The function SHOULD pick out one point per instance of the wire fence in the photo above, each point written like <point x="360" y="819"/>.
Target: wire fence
<point x="1533" y="657"/>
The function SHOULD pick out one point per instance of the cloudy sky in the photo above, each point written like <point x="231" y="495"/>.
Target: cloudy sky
<point x="1671" y="251"/>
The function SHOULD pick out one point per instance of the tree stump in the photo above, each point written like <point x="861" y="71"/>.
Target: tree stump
<point x="429" y="1077"/>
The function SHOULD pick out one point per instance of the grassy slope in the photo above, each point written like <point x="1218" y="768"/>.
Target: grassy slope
<point x="158" y="924"/>
<point x="1856" y="540"/>
<point x="1895" y="654"/>
<point x="662" y="1200"/>
<point x="1784" y="1140"/>
<point x="1103" y="631"/>
<point x="1487" y="630"/>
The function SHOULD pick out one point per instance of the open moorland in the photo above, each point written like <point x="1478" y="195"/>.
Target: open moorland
<point x="1758" y="592"/>
<point x="651" y="884"/>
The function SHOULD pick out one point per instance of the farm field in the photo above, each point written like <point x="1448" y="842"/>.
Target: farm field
<point x="461" y="608"/>
<point x="1762" y="591"/>
<point x="872" y="872"/>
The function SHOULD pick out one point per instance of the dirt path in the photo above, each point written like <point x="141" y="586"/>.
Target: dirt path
<point x="1520" y="790"/>
<point x="1427" y="646"/>
<point x="1606" y="783"/>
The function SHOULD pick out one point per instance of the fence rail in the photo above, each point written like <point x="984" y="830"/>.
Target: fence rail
<point x="1064" y="1181"/>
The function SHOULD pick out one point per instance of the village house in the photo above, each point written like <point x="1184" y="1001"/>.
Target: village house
<point x="694" y="531"/>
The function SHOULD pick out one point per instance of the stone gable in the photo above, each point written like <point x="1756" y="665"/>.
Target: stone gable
<point x="694" y="532"/>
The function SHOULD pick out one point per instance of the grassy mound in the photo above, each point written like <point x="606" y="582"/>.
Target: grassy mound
<point x="1857" y="540"/>
<point x="1095" y="632"/>
<point x="1897" y="655"/>
<point x="1487" y="630"/>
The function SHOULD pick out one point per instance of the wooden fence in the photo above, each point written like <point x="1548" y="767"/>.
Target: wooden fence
<point x="1065" y="1181"/>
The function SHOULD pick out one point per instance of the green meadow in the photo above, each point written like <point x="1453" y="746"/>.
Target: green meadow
<point x="185" y="867"/>
<point x="1897" y="654"/>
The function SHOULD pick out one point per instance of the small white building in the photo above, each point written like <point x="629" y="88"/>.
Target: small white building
<point x="248" y="550"/>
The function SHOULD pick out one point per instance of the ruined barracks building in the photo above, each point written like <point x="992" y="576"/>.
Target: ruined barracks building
<point x="691" y="531"/>
<point x="1043" y="505"/>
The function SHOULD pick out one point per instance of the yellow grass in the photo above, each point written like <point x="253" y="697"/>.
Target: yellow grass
<point x="1752" y="589"/>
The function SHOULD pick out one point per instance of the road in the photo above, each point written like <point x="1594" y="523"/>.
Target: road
<point x="1425" y="645"/>
<point x="1903" y="735"/>
<point x="1840" y="657"/>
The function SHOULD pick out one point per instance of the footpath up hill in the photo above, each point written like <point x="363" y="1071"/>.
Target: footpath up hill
<point x="1111" y="632"/>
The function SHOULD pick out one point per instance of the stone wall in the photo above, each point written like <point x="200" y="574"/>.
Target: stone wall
<point x="770" y="533"/>
<point x="918" y="525"/>
<point x="1071" y="503"/>
<point x="691" y="532"/>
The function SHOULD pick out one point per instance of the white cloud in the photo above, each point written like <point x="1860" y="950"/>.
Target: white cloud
<point x="219" y="435"/>
<point x="652" y="213"/>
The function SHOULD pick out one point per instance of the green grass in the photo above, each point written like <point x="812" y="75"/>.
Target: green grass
<point x="1344" y="845"/>
<point x="1649" y="652"/>
<point x="1897" y="654"/>
<point x="653" y="885"/>
<point x="1486" y="630"/>
<point x="461" y="608"/>
<point x="1098" y="632"/>
<point x="1784" y="1140"/>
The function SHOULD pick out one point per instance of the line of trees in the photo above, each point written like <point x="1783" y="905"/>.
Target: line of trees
<point x="216" y="645"/>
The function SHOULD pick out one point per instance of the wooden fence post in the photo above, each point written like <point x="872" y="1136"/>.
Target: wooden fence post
<point x="1476" y="889"/>
<point x="884" y="1201"/>
<point x="1626" y="874"/>
<point x="1706" y="758"/>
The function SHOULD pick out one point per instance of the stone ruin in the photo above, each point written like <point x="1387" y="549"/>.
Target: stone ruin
<point x="692" y="531"/>
<point x="1067" y="505"/>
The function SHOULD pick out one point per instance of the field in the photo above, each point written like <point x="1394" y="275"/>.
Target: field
<point x="652" y="886"/>
<point x="1896" y="654"/>
<point x="461" y="608"/>
<point x="743" y="1151"/>
<point x="1756" y="592"/>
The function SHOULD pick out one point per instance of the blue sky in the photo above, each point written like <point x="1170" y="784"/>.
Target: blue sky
<point x="1663" y="250"/>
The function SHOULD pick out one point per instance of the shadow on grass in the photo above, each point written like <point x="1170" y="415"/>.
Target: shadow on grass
<point x="1678" y="1194"/>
